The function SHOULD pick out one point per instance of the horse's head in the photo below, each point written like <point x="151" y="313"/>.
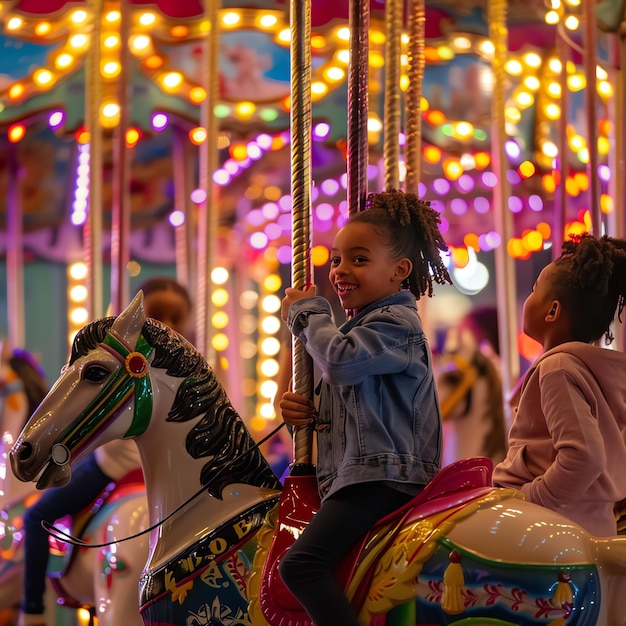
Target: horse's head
<point x="104" y="392"/>
<point x="118" y="369"/>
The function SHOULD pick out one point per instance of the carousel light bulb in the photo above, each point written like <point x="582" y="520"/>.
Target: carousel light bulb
<point x="270" y="324"/>
<point x="79" y="16"/>
<point x="111" y="110"/>
<point x="284" y="36"/>
<point x="220" y="319"/>
<point x="140" y="43"/>
<point x="552" y="18"/>
<point x="343" y="56"/>
<point x="16" y="132"/>
<point x="147" y="19"/>
<point x="111" y="41"/>
<point x="219" y="275"/>
<point x="571" y="22"/>
<point x="79" y="316"/>
<point x="268" y="389"/>
<point x="78" y="293"/>
<point x="79" y="40"/>
<point x="111" y="69"/>
<point x="43" y="28"/>
<point x="56" y="119"/>
<point x="43" y="77"/>
<point x="553" y="111"/>
<point x="604" y="89"/>
<point x="219" y="297"/>
<point x="267" y="411"/>
<point x="220" y="342"/>
<point x="64" y="60"/>
<point x="268" y="20"/>
<point x="270" y="346"/>
<point x="271" y="304"/>
<point x="113" y="16"/>
<point x="576" y="82"/>
<point x="176" y="218"/>
<point x="16" y="91"/>
<point x="269" y="368"/>
<point x="14" y="23"/>
<point x="171" y="80"/>
<point x="231" y="19"/>
<point x="334" y="74"/>
<point x="159" y="121"/>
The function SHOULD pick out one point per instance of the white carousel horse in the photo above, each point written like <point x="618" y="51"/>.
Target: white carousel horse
<point x="107" y="579"/>
<point x="462" y="552"/>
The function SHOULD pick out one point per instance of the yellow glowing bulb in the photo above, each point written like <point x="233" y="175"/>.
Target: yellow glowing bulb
<point x="64" y="61"/>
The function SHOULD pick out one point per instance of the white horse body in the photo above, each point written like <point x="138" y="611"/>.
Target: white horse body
<point x="190" y="507"/>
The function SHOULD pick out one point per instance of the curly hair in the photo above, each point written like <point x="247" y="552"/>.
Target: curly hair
<point x="411" y="227"/>
<point x="591" y="284"/>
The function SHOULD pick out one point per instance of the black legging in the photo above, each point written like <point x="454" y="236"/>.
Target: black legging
<point x="342" y="520"/>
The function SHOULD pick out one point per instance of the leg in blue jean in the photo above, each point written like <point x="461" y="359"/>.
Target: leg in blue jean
<point x="342" y="520"/>
<point x="88" y="480"/>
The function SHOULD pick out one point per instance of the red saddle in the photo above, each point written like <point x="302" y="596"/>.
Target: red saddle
<point x="453" y="486"/>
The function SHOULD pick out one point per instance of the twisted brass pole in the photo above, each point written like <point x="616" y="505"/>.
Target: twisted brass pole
<point x="392" y="113"/>
<point x="358" y="105"/>
<point x="415" y="72"/>
<point x="301" y="199"/>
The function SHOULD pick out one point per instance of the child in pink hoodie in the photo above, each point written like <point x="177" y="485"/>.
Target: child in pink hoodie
<point x="567" y="443"/>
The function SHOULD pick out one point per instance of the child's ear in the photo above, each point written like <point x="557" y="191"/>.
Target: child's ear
<point x="403" y="268"/>
<point x="554" y="311"/>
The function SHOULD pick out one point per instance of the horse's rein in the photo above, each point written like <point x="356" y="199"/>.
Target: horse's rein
<point x="60" y="534"/>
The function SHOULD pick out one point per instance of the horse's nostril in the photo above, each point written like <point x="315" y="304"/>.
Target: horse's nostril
<point x="25" y="451"/>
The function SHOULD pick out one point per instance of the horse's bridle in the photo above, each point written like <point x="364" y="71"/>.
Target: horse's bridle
<point x="131" y="379"/>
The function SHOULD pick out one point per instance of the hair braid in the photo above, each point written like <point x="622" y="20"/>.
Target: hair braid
<point x="594" y="272"/>
<point x="413" y="231"/>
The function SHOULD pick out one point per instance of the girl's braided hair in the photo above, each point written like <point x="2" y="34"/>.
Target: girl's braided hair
<point x="412" y="230"/>
<point x="591" y="284"/>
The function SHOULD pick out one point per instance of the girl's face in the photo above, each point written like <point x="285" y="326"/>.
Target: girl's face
<point x="169" y="307"/>
<point x="538" y="305"/>
<point x="362" y="270"/>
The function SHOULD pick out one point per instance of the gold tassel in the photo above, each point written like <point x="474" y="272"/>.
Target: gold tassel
<point x="453" y="581"/>
<point x="563" y="592"/>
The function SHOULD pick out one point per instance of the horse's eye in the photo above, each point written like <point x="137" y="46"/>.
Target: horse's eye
<point x="95" y="373"/>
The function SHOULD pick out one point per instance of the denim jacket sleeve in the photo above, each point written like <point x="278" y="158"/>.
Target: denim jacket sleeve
<point x="376" y="346"/>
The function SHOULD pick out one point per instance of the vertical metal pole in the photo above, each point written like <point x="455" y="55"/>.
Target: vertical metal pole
<point x="589" y="63"/>
<point x="120" y="203"/>
<point x="417" y="64"/>
<point x="15" y="254"/>
<point x="358" y="105"/>
<point x="207" y="216"/>
<point x="300" y="18"/>
<point x="93" y="227"/>
<point x="392" y="113"/>
<point x="505" y="267"/>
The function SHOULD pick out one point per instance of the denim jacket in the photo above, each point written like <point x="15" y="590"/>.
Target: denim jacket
<point x="378" y="415"/>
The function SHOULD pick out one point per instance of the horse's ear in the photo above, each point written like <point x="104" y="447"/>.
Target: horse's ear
<point x="129" y="322"/>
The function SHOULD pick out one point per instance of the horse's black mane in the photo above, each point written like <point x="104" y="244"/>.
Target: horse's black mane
<point x="220" y="434"/>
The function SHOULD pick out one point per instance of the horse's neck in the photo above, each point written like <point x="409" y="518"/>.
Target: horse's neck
<point x="172" y="477"/>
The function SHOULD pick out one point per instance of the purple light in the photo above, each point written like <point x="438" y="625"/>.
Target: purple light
<point x="444" y="226"/>
<point x="458" y="206"/>
<point x="265" y="141"/>
<point x="270" y="210"/>
<point x="481" y="205"/>
<point x="604" y="172"/>
<point x="177" y="218"/>
<point x="441" y="186"/>
<point x="325" y="211"/>
<point x="284" y="255"/>
<point x="513" y="177"/>
<point x="535" y="202"/>
<point x="493" y="239"/>
<point x="512" y="149"/>
<point x="56" y="119"/>
<point x="258" y="241"/>
<point x="160" y="121"/>
<point x="315" y="193"/>
<point x="285" y="203"/>
<point x="273" y="231"/>
<point x="198" y="196"/>
<point x="466" y="182"/>
<point x="372" y="172"/>
<point x="489" y="179"/>
<point x="515" y="204"/>
<point x="231" y="166"/>
<point x="221" y="177"/>
<point x="285" y="222"/>
<point x="343" y="180"/>
<point x="255" y="217"/>
<point x="330" y="187"/>
<point x="422" y="190"/>
<point x="321" y="130"/>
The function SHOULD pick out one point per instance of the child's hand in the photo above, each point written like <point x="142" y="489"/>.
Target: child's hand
<point x="296" y="409"/>
<point x="293" y="295"/>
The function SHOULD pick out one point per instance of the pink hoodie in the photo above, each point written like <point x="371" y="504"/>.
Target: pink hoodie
<point x="567" y="444"/>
